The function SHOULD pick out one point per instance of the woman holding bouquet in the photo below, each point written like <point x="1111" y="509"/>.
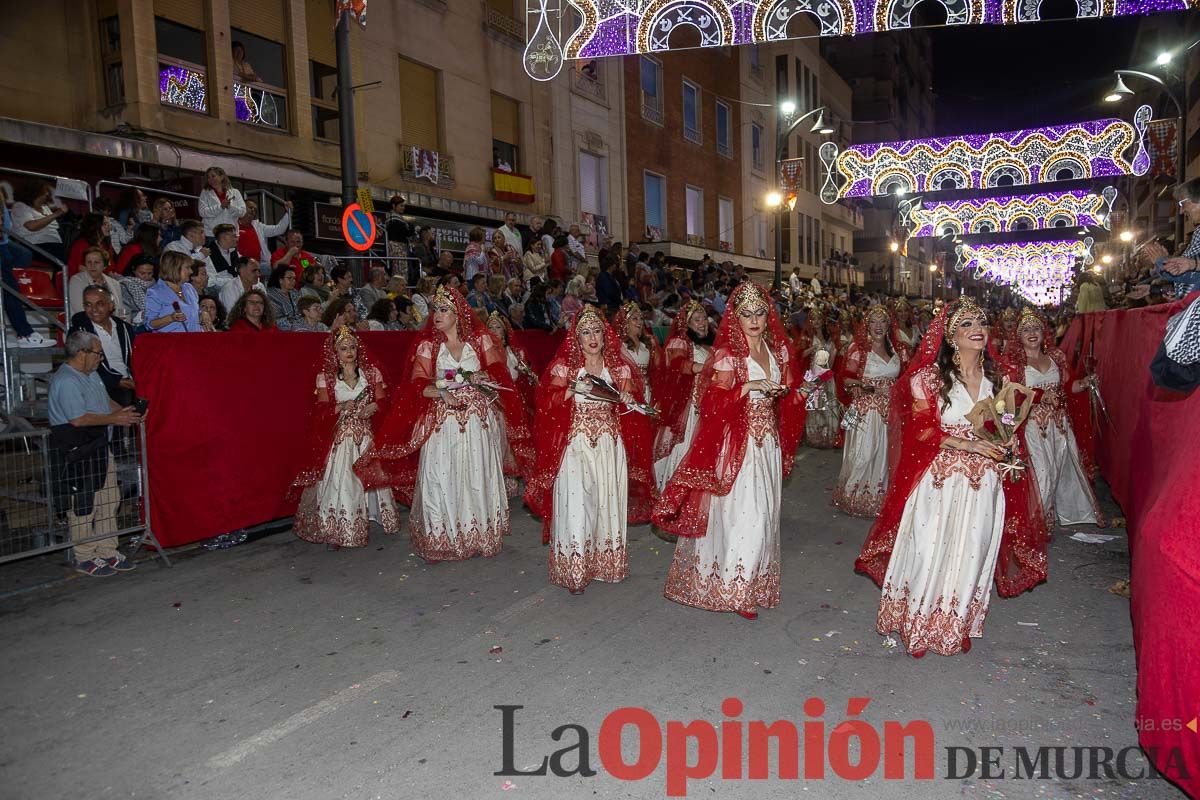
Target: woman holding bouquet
<point x="723" y="500"/>
<point x="440" y="447"/>
<point x="871" y="367"/>
<point x="689" y="344"/>
<point x="334" y="506"/>
<point x="637" y="343"/>
<point x="1060" y="409"/>
<point x="592" y="476"/>
<point x="951" y="523"/>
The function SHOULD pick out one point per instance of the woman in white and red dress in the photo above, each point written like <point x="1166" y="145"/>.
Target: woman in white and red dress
<point x="516" y="359"/>
<point x="823" y="427"/>
<point x="440" y="447"/>
<point x="677" y="390"/>
<point x="872" y="364"/>
<point x="1061" y="408"/>
<point x="951" y="525"/>
<point x="592" y="476"/>
<point x="723" y="501"/>
<point x="639" y="344"/>
<point x="334" y="507"/>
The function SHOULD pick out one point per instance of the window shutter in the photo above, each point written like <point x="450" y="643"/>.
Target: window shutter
<point x="265" y="18"/>
<point x="653" y="185"/>
<point x="506" y="121"/>
<point x="419" y="105"/>
<point x="185" y="12"/>
<point x="589" y="188"/>
<point x="318" y="18"/>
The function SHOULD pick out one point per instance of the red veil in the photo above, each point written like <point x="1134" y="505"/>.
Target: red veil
<point x="323" y="418"/>
<point x="915" y="436"/>
<point x="656" y="353"/>
<point x="395" y="456"/>
<point x="674" y="382"/>
<point x="856" y="356"/>
<point x="713" y="461"/>
<point x="525" y="384"/>
<point x="556" y="410"/>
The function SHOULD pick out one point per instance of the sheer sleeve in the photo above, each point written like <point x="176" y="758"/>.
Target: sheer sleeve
<point x="925" y="418"/>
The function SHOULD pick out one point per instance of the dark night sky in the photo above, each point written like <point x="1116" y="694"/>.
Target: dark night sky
<point x="999" y="78"/>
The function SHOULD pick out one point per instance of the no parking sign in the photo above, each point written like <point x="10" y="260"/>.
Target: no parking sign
<point x="358" y="227"/>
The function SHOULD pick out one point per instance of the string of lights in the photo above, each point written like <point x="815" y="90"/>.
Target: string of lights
<point x="1041" y="211"/>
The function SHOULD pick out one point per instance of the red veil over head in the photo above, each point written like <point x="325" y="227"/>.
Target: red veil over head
<point x="656" y="355"/>
<point x="674" y="381"/>
<point x="525" y="384"/>
<point x="394" y="458"/>
<point x="852" y="366"/>
<point x="323" y="418"/>
<point x="715" y="457"/>
<point x="556" y="410"/>
<point x="915" y="415"/>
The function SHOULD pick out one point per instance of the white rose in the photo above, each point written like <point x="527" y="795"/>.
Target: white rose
<point x="822" y="358"/>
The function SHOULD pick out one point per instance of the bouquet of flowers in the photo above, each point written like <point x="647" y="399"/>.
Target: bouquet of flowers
<point x="596" y="388"/>
<point x="454" y="380"/>
<point x="997" y="420"/>
<point x="819" y="373"/>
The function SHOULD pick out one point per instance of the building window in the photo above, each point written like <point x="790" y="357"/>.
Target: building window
<point x="691" y="112"/>
<point x="656" y="210"/>
<point x="182" y="66"/>
<point x="260" y="81"/>
<point x="506" y="133"/>
<point x="420" y="110"/>
<point x="694" y="200"/>
<point x="755" y="61"/>
<point x="652" y="90"/>
<point x="756" y="146"/>
<point x="724" y="126"/>
<point x="760" y="225"/>
<point x="322" y="83"/>
<point x="110" y="59"/>
<point x="725" y="224"/>
<point x="593" y="196"/>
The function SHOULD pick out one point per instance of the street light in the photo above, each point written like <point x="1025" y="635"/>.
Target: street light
<point x="894" y="247"/>
<point x="1119" y="92"/>
<point x="1163" y="59"/>
<point x="1126" y="236"/>
<point x="1106" y="258"/>
<point x="787" y="109"/>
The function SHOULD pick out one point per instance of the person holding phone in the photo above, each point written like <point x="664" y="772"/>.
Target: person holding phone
<point x="172" y="305"/>
<point x="1184" y="269"/>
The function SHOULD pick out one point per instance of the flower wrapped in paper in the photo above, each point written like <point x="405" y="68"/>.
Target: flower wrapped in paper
<point x="997" y="420"/>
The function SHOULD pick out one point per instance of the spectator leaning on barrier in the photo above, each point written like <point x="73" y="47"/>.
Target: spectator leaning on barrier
<point x="220" y="203"/>
<point x="14" y="256"/>
<point x="1187" y="263"/>
<point x="116" y="339"/>
<point x="83" y="469"/>
<point x="172" y="305"/>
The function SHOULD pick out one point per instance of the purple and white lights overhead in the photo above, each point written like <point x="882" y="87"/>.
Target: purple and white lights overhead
<point x="621" y="27"/>
<point x="1042" y="211"/>
<point x="1092" y="149"/>
<point x="1031" y="268"/>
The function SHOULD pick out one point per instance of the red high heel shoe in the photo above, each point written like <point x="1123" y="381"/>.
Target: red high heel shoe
<point x="750" y="615"/>
<point x="918" y="653"/>
<point x="966" y="644"/>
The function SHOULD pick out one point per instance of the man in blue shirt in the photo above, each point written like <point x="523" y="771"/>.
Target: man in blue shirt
<point x="84" y="470"/>
<point x="14" y="256"/>
<point x="1185" y="266"/>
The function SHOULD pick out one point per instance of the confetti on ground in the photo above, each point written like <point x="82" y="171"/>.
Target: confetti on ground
<point x="496" y="649"/>
<point x="507" y="785"/>
<point x="1028" y="624"/>
<point x="890" y="643"/>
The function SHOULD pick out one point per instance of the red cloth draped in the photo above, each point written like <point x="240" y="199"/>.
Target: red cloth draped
<point x="648" y="340"/>
<point x="674" y="384"/>
<point x="915" y="414"/>
<point x="555" y="411"/>
<point x="395" y="455"/>
<point x="715" y="457"/>
<point x="855" y="361"/>
<point x="323" y="417"/>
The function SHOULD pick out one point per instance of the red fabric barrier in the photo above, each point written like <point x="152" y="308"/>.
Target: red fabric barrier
<point x="228" y="418"/>
<point x="1148" y="455"/>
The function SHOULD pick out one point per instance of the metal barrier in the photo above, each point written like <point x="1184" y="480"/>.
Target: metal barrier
<point x="147" y="190"/>
<point x="8" y="362"/>
<point x="55" y="498"/>
<point x="88" y="196"/>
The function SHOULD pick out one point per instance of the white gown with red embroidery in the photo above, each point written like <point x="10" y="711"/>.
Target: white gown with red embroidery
<point x="1065" y="490"/>
<point x="591" y="498"/>
<point x="862" y="482"/>
<point x="735" y="565"/>
<point x="337" y="509"/>
<point x="939" y="580"/>
<point x="641" y="360"/>
<point x="665" y="467"/>
<point x="460" y="505"/>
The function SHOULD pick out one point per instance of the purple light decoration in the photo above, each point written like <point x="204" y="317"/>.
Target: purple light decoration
<point x="182" y="87"/>
<point x="1024" y="262"/>
<point x="1045" y="210"/>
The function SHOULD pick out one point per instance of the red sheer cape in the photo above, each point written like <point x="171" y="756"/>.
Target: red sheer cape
<point x="674" y="385"/>
<point x="395" y="456"/>
<point x="715" y="457"/>
<point x="555" y="411"/>
<point x="915" y="436"/>
<point x="323" y="417"/>
<point x="651" y="343"/>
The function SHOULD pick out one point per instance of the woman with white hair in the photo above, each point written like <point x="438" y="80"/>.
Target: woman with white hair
<point x="572" y="303"/>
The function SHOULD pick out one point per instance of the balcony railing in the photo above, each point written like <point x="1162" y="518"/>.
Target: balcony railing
<point x="652" y="109"/>
<point x="692" y="134"/>
<point x="503" y="24"/>
<point x="423" y="164"/>
<point x="724" y="149"/>
<point x="589" y="87"/>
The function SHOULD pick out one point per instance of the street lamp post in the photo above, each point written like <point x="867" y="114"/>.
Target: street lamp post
<point x="787" y="108"/>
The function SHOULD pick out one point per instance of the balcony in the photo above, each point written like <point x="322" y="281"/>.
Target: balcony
<point x="590" y="87"/>
<point x="422" y="164"/>
<point x="185" y="86"/>
<point x="503" y="27"/>
<point x="652" y="110"/>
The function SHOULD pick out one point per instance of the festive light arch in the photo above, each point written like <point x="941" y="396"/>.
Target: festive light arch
<point x="624" y="27"/>
<point x="1044" y="211"/>
<point x="1038" y="271"/>
<point x="1094" y="149"/>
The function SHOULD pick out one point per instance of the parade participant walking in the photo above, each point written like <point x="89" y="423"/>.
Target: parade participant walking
<point x="871" y="367"/>
<point x="950" y="524"/>
<point x="592" y="477"/>
<point x="440" y="447"/>
<point x="638" y="343"/>
<point x="334" y="507"/>
<point x="724" y="499"/>
<point x="678" y="389"/>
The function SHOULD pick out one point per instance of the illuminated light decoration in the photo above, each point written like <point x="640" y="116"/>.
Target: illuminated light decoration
<point x="1038" y="271"/>
<point x="1090" y="149"/>
<point x="625" y="27"/>
<point x="1042" y="211"/>
<point x="256" y="106"/>
<point x="183" y="88"/>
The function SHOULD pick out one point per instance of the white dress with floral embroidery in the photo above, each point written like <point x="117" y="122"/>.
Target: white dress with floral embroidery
<point x="862" y="482"/>
<point x="1065" y="491"/>
<point x="591" y="498"/>
<point x="337" y="509"/>
<point x="735" y="565"/>
<point x="665" y="467"/>
<point x="460" y="505"/>
<point x="939" y="580"/>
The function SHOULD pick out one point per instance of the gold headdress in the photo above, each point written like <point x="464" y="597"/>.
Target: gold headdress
<point x="691" y="307"/>
<point x="902" y="303"/>
<point x="1030" y="319"/>
<point x="345" y="334"/>
<point x="966" y="308"/>
<point x="631" y="307"/>
<point x="589" y="314"/>
<point x="497" y="316"/>
<point x="751" y="298"/>
<point x="878" y="310"/>
<point x="1008" y="314"/>
<point x="442" y="298"/>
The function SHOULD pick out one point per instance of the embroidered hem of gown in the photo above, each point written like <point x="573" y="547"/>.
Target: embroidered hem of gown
<point x="939" y="631"/>
<point x="574" y="570"/>
<point x="466" y="542"/>
<point x="690" y="585"/>
<point x="334" y="526"/>
<point x="861" y="501"/>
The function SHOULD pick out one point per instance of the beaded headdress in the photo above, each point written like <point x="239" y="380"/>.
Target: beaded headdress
<point x="442" y="298"/>
<point x="878" y="310"/>
<point x="631" y="307"/>
<point x="1030" y="319"/>
<point x="966" y="308"/>
<point x="589" y="315"/>
<point x="345" y="334"/>
<point x="752" y="299"/>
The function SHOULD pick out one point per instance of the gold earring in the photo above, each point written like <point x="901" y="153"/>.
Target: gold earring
<point x="957" y="359"/>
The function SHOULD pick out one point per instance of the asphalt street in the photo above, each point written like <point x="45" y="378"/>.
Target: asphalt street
<point x="278" y="669"/>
